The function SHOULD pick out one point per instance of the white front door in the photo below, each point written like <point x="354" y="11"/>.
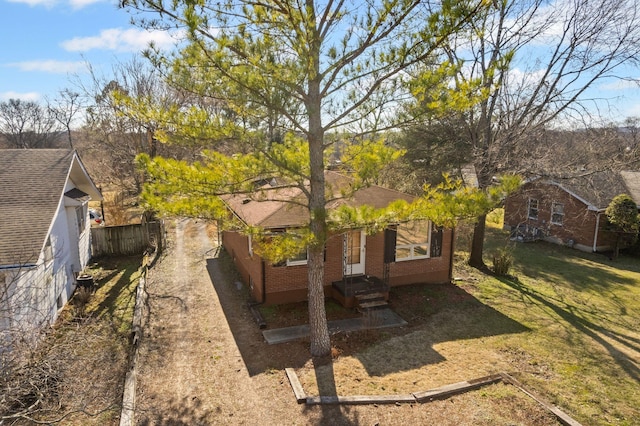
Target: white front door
<point x="354" y="248"/>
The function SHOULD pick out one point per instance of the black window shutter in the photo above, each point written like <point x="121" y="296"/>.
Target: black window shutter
<point x="390" y="245"/>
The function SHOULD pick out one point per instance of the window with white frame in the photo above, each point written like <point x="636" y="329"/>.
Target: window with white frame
<point x="413" y="240"/>
<point x="557" y="213"/>
<point x="533" y="208"/>
<point x="300" y="259"/>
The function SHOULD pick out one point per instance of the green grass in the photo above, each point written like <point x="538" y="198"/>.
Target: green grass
<point x="582" y="312"/>
<point x="115" y="297"/>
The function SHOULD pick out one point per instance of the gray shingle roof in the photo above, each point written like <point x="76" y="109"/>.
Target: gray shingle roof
<point x="276" y="212"/>
<point x="32" y="183"/>
<point x="599" y="188"/>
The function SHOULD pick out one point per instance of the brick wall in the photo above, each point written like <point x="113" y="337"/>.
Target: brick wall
<point x="286" y="284"/>
<point x="249" y="266"/>
<point x="578" y="225"/>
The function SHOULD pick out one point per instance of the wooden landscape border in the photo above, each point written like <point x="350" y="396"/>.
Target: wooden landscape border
<point x="442" y="392"/>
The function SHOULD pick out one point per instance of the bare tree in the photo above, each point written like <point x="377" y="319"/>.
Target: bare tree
<point x="26" y="124"/>
<point x="116" y="136"/>
<point x="533" y="63"/>
<point x="64" y="109"/>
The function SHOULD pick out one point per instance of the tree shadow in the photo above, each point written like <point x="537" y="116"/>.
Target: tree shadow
<point x="436" y="314"/>
<point x="185" y="412"/>
<point x="573" y="316"/>
<point x="257" y="355"/>
<point x="543" y="260"/>
<point x="112" y="301"/>
<point x="331" y="414"/>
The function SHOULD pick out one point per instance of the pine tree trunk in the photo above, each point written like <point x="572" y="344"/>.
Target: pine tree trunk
<point x="319" y="330"/>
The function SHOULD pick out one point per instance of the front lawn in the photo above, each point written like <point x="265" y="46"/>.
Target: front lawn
<point x="566" y="324"/>
<point x="582" y="310"/>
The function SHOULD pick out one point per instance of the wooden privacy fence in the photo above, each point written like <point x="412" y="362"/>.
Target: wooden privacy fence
<point x="127" y="240"/>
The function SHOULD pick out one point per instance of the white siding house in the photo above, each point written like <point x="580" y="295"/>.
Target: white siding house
<point x="45" y="238"/>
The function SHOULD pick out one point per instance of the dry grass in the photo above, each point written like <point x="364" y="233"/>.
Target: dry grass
<point x="566" y="325"/>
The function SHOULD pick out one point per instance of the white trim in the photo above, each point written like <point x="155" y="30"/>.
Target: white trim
<point x="595" y="232"/>
<point x="298" y="262"/>
<point x="357" y="268"/>
<point x="412" y="247"/>
<point x="529" y="208"/>
<point x="554" y="203"/>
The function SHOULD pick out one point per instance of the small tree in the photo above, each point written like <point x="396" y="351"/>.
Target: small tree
<point x="622" y="213"/>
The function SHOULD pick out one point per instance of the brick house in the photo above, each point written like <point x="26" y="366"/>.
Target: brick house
<point x="569" y="211"/>
<point x="356" y="264"/>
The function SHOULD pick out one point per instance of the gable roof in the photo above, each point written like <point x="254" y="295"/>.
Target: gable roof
<point x="283" y="207"/>
<point x="597" y="189"/>
<point x="32" y="184"/>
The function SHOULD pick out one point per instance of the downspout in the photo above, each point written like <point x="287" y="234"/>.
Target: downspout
<point x="451" y="252"/>
<point x="595" y="234"/>
<point x="264" y="281"/>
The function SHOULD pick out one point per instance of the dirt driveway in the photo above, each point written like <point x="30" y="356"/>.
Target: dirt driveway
<point x="203" y="359"/>
<point x="191" y="369"/>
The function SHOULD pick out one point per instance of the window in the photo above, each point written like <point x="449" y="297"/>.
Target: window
<point x="557" y="213"/>
<point x="81" y="215"/>
<point x="300" y="259"/>
<point x="412" y="240"/>
<point x="533" y="208"/>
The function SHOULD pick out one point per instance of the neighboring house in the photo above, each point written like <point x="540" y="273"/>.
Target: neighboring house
<point x="45" y="238"/>
<point x="569" y="211"/>
<point x="356" y="264"/>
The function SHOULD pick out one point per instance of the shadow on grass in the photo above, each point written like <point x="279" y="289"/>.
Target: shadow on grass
<point x="436" y="313"/>
<point x="572" y="315"/>
<point x="551" y="262"/>
<point x="185" y="412"/>
<point x="115" y="291"/>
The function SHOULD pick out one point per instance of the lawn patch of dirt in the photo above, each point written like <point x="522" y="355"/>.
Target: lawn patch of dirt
<point x="204" y="360"/>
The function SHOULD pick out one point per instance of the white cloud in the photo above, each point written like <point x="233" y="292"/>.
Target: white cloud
<point x="75" y="4"/>
<point x="34" y="3"/>
<point x="29" y="96"/>
<point x="621" y="85"/>
<point x="50" y="66"/>
<point x="79" y="4"/>
<point x="117" y="39"/>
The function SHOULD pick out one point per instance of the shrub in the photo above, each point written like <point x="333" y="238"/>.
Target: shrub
<point x="502" y="261"/>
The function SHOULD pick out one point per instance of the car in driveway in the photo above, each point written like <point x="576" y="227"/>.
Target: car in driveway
<point x="96" y="218"/>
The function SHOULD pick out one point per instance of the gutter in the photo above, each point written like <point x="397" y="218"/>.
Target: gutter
<point x="22" y="266"/>
<point x="264" y="281"/>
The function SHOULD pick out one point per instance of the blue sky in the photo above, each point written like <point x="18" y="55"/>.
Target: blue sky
<point x="46" y="41"/>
